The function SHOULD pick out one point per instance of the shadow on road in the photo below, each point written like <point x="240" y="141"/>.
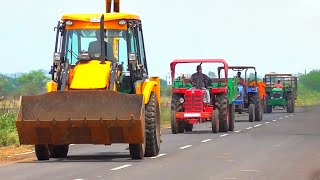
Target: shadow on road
<point x="97" y="157"/>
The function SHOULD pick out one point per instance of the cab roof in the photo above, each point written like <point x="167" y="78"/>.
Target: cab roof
<point x="107" y="16"/>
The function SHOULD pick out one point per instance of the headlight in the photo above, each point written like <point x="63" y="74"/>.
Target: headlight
<point x="181" y="100"/>
<point x="122" y="22"/>
<point x="69" y="23"/>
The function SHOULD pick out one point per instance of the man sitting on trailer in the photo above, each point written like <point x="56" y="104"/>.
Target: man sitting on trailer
<point x="95" y="48"/>
<point x="278" y="85"/>
<point x="200" y="81"/>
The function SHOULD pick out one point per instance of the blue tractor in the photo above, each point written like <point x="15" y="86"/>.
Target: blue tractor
<point x="249" y="99"/>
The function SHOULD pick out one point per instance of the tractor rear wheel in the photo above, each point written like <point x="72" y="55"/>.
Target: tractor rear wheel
<point x="215" y="121"/>
<point x="222" y="106"/>
<point x="58" y="151"/>
<point x="188" y="127"/>
<point x="251" y="112"/>
<point x="232" y="116"/>
<point x="42" y="152"/>
<point x="152" y="126"/>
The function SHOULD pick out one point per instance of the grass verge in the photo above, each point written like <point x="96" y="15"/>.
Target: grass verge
<point x="165" y="112"/>
<point x="308" y="98"/>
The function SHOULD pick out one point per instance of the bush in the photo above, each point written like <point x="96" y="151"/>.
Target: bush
<point x="8" y="133"/>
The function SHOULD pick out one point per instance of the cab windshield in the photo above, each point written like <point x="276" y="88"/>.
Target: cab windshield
<point x="88" y="40"/>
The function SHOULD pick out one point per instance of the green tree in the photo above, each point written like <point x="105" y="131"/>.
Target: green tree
<point x="32" y="83"/>
<point x="163" y="82"/>
<point x="311" y="80"/>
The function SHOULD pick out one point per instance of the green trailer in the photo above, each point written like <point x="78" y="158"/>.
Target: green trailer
<point x="281" y="97"/>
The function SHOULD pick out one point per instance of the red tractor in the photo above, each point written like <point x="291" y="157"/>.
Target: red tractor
<point x="190" y="106"/>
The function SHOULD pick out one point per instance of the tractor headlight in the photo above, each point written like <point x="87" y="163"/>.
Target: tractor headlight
<point x="181" y="100"/>
<point x="69" y="23"/>
<point x="122" y="22"/>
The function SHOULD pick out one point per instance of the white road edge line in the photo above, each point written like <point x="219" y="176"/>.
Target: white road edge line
<point x="224" y="135"/>
<point x="121" y="167"/>
<point x="257" y="125"/>
<point x="185" y="147"/>
<point x="248" y="127"/>
<point x="159" y="155"/>
<point x="267" y="122"/>
<point x="206" y="140"/>
<point x="238" y="131"/>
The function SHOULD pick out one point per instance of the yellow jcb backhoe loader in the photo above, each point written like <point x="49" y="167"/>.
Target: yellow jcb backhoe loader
<point x="100" y="91"/>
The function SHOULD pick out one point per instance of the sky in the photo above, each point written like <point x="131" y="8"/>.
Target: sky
<point x="275" y="36"/>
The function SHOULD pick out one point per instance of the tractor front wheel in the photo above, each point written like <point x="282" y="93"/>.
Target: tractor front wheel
<point x="58" y="151"/>
<point x="232" y="116"/>
<point x="42" y="152"/>
<point x="188" y="127"/>
<point x="251" y="112"/>
<point x="152" y="126"/>
<point x="174" y="124"/>
<point x="215" y="121"/>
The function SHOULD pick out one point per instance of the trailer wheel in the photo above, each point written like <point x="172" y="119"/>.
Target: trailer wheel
<point x="215" y="121"/>
<point x="251" y="112"/>
<point x="232" y="116"/>
<point x="152" y="126"/>
<point x="58" y="151"/>
<point x="222" y="106"/>
<point x="188" y="127"/>
<point x="42" y="152"/>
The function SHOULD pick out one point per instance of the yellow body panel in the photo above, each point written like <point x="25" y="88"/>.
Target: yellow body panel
<point x="51" y="86"/>
<point x="148" y="86"/>
<point x="107" y="16"/>
<point x="91" y="75"/>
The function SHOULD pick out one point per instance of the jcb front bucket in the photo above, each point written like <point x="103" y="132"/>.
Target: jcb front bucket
<point x="81" y="117"/>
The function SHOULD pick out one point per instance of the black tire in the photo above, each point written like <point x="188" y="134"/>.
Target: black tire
<point x="251" y="112"/>
<point x="137" y="151"/>
<point x="269" y="109"/>
<point x="59" y="151"/>
<point x="180" y="127"/>
<point x="222" y="104"/>
<point x="42" y="152"/>
<point x="188" y="127"/>
<point x="174" y="124"/>
<point x="215" y="121"/>
<point x="152" y="126"/>
<point x="257" y="107"/>
<point x="232" y="116"/>
<point x="265" y="107"/>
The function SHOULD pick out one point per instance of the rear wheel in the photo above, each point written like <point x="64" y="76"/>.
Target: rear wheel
<point x="152" y="126"/>
<point x="215" y="121"/>
<point x="222" y="104"/>
<point x="58" y="151"/>
<point x="188" y="127"/>
<point x="251" y="112"/>
<point x="232" y="116"/>
<point x="42" y="152"/>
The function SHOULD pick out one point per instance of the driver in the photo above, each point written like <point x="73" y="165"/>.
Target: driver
<point x="278" y="85"/>
<point x="241" y="82"/>
<point x="200" y="80"/>
<point x="95" y="48"/>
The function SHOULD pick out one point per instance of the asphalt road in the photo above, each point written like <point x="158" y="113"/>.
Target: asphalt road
<point x="282" y="146"/>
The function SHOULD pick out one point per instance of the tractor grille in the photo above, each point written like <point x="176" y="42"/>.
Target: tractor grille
<point x="276" y="95"/>
<point x="193" y="103"/>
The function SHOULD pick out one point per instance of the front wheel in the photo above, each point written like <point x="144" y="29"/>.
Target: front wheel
<point x="215" y="121"/>
<point x="174" y="124"/>
<point x="232" y="116"/>
<point x="188" y="127"/>
<point x="251" y="112"/>
<point x="42" y="152"/>
<point x="58" y="151"/>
